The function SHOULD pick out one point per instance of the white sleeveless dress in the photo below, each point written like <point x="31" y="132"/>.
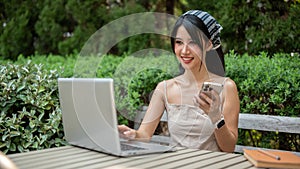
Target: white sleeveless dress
<point x="189" y="126"/>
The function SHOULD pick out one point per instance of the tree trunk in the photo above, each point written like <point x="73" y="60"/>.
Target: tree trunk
<point x="170" y="6"/>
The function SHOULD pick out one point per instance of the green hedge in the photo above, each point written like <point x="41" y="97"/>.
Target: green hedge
<point x="135" y="74"/>
<point x="267" y="86"/>
<point x="31" y="119"/>
<point x="30" y="116"/>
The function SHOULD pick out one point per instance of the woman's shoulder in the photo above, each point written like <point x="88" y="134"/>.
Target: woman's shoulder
<point x="230" y="84"/>
<point x="226" y="81"/>
<point x="166" y="83"/>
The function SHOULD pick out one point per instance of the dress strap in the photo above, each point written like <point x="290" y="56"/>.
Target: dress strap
<point x="223" y="83"/>
<point x="165" y="86"/>
<point x="222" y="93"/>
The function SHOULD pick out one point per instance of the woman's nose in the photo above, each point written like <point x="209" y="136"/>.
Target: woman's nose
<point x="185" y="49"/>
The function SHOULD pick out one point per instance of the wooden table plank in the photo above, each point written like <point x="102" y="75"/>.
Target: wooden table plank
<point x="161" y="162"/>
<point x="228" y="162"/>
<point x="150" y="159"/>
<point x="215" y="158"/>
<point x="39" y="152"/>
<point x="49" y="159"/>
<point x="77" y="159"/>
<point x="190" y="159"/>
<point x="173" y="157"/>
<point x="35" y="154"/>
<point x="88" y="162"/>
<point x="30" y="160"/>
<point x="137" y="160"/>
<point x="108" y="163"/>
<point x="245" y="164"/>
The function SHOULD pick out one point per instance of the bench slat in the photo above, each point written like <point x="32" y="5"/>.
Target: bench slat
<point x="259" y="122"/>
<point x="269" y="123"/>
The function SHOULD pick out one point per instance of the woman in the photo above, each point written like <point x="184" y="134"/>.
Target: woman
<point x="203" y="120"/>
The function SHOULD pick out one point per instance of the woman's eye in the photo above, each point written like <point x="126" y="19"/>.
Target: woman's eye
<point x="178" y="42"/>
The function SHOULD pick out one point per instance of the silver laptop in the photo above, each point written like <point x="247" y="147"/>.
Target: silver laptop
<point x="90" y="120"/>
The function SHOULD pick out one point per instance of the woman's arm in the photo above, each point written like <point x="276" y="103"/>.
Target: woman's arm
<point x="227" y="135"/>
<point x="153" y="114"/>
<point x="151" y="118"/>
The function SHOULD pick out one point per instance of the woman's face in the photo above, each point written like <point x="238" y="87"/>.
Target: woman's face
<point x="187" y="51"/>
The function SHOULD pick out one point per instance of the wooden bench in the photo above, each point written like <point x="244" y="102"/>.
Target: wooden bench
<point x="248" y="121"/>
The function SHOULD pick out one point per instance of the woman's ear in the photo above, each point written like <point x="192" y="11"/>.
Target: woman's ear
<point x="209" y="46"/>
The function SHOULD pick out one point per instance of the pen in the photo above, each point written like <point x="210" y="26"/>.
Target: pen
<point x="269" y="154"/>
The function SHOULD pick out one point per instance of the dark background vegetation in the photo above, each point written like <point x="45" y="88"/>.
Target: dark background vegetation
<point x="40" y="40"/>
<point x="63" y="26"/>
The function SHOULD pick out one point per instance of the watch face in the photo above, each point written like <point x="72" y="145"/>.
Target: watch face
<point x="220" y="124"/>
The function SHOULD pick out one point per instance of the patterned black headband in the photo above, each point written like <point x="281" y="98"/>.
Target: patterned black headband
<point x="214" y="28"/>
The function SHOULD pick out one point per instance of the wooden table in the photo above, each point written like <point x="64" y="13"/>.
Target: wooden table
<point x="75" y="157"/>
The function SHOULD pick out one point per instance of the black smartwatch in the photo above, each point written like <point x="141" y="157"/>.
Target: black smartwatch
<point x="220" y="123"/>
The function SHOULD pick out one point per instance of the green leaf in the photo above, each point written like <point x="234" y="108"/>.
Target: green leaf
<point x="2" y="144"/>
<point x="14" y="133"/>
<point x="20" y="148"/>
<point x="27" y="144"/>
<point x="35" y="145"/>
<point x="32" y="124"/>
<point x="4" y="137"/>
<point x="12" y="147"/>
<point x="20" y="88"/>
<point x="41" y="89"/>
<point x="41" y="116"/>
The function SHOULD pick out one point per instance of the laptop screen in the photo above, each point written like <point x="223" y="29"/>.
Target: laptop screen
<point x="89" y="114"/>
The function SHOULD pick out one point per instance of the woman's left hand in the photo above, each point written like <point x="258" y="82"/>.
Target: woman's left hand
<point x="209" y="102"/>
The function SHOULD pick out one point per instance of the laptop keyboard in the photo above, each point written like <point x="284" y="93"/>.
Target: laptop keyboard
<point x="126" y="147"/>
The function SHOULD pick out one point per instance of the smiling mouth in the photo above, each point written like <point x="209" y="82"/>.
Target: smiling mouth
<point x="187" y="58"/>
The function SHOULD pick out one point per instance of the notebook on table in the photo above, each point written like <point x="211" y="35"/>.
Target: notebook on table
<point x="272" y="158"/>
<point x="90" y="119"/>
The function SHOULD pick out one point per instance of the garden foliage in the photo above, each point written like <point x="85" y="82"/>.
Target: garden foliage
<point x="259" y="25"/>
<point x="267" y="86"/>
<point x="30" y="116"/>
<point x="142" y="84"/>
<point x="63" y="27"/>
<point x="137" y="74"/>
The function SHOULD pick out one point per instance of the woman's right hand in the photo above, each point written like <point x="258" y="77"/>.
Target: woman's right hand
<point x="209" y="102"/>
<point x="126" y="132"/>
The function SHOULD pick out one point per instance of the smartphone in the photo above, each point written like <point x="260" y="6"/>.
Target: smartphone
<point x="207" y="86"/>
